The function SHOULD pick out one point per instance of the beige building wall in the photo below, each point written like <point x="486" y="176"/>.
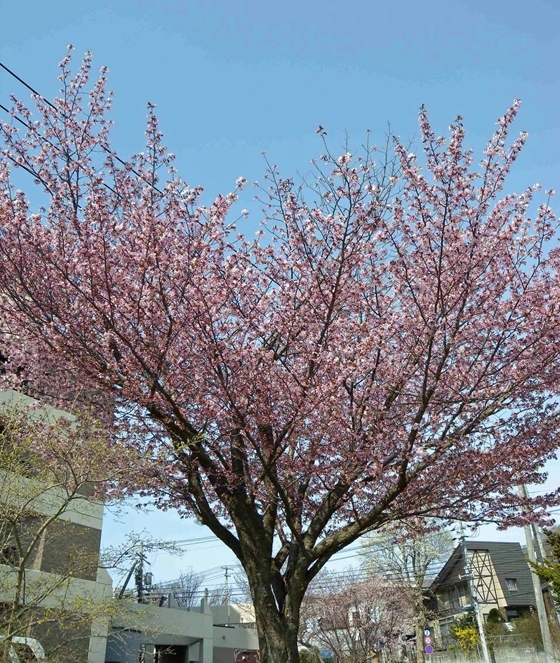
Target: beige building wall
<point x="484" y="575"/>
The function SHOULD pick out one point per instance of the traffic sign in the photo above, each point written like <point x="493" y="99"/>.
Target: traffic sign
<point x="429" y="649"/>
<point x="427" y="640"/>
<point x="427" y="631"/>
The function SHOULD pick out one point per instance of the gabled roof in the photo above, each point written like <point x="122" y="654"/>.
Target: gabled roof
<point x="36" y="410"/>
<point x="508" y="562"/>
<point x="455" y="558"/>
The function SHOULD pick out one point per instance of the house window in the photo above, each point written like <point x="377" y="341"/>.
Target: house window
<point x="445" y="626"/>
<point x="9" y="556"/>
<point x="511" y="584"/>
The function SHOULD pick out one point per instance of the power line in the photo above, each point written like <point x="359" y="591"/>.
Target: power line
<point x="432" y="570"/>
<point x="543" y="490"/>
<point x="26" y="168"/>
<point x="114" y="155"/>
<point x="46" y="140"/>
<point x="362" y="573"/>
<point x="25" y="84"/>
<point x="201" y="539"/>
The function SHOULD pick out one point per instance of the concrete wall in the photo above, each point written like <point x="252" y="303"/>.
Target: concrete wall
<point x="237" y="637"/>
<point x="166" y="625"/>
<point x="69" y="546"/>
<point x="86" y="642"/>
<point x="192" y="630"/>
<point x="502" y="655"/>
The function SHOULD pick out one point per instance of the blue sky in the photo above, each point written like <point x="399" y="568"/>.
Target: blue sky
<point x="234" y="79"/>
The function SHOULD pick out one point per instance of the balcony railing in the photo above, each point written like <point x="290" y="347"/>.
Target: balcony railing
<point x="454" y="605"/>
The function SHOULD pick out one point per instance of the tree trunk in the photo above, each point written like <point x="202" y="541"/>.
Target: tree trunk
<point x="277" y="627"/>
<point x="277" y="637"/>
<point x="421" y="624"/>
<point x="420" y="643"/>
<point x="278" y="650"/>
<point x="5" y="651"/>
<point x="276" y="600"/>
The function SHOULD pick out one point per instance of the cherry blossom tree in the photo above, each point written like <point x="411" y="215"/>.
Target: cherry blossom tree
<point x="408" y="560"/>
<point x="385" y="346"/>
<point x="353" y="617"/>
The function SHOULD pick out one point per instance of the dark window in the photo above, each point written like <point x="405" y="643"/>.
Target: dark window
<point x="356" y="619"/>
<point x="511" y="584"/>
<point x="9" y="556"/>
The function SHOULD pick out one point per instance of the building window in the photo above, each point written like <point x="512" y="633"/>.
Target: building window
<point x="511" y="584"/>
<point x="9" y="556"/>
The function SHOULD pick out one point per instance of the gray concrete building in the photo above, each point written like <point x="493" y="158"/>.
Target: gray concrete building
<point x="62" y="568"/>
<point x="158" y="631"/>
<point x="171" y="634"/>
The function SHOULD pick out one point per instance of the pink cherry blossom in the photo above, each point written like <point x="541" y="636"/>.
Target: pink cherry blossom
<point x="386" y="347"/>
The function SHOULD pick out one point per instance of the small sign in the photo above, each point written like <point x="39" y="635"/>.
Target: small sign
<point x="429" y="649"/>
<point x="427" y="632"/>
<point x="427" y="640"/>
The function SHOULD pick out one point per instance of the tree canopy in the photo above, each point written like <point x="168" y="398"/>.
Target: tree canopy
<point x="385" y="346"/>
<point x="549" y="569"/>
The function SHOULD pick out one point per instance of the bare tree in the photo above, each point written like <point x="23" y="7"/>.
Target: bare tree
<point x="408" y="559"/>
<point x="186" y="589"/>
<point x="350" y="615"/>
<point x="236" y="592"/>
<point x="54" y="472"/>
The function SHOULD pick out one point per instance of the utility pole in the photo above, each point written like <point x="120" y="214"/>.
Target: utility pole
<point x="550" y="608"/>
<point x="226" y="572"/>
<point x="537" y="536"/>
<point x="139" y="575"/>
<point x="474" y="597"/>
<point x="539" y="600"/>
<point x="137" y="569"/>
